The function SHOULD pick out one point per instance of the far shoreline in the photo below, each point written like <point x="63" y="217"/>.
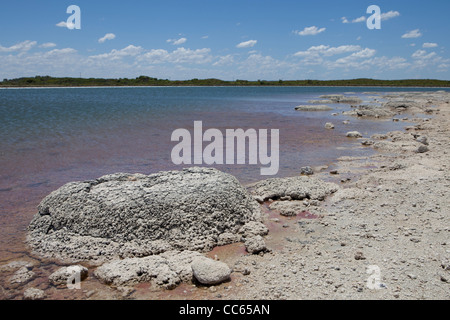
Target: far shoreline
<point x="145" y="81"/>
<point x="212" y="86"/>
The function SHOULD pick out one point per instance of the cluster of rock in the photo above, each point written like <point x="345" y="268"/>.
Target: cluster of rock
<point x="147" y="228"/>
<point x="339" y="98"/>
<point x="294" y="195"/>
<point x="322" y="105"/>
<point x="395" y="105"/>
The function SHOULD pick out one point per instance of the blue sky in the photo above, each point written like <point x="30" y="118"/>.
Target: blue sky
<point x="245" y="39"/>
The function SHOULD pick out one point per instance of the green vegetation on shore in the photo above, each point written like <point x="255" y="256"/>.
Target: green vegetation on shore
<point x="47" y="81"/>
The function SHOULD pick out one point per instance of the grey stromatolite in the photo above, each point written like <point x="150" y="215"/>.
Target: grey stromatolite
<point x="129" y="215"/>
<point x="297" y="188"/>
<point x="166" y="270"/>
<point x="313" y="108"/>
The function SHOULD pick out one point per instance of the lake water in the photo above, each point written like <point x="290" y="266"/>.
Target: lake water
<point x="53" y="136"/>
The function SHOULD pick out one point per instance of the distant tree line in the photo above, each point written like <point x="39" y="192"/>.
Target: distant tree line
<point x="47" y="81"/>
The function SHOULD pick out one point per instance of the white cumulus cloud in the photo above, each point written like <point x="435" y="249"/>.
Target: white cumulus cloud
<point x="327" y="50"/>
<point x="108" y="36"/>
<point x="310" y="31"/>
<point x="178" y="56"/>
<point x="360" y="19"/>
<point x="384" y="16"/>
<point x="247" y="44"/>
<point x="118" y="54"/>
<point x="429" y="45"/>
<point x="177" y="42"/>
<point x="412" y="34"/>
<point x="63" y="24"/>
<point x="389" y="15"/>
<point x="22" y="46"/>
<point x="47" y="45"/>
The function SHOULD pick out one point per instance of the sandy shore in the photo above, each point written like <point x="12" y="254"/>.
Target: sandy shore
<point x="383" y="235"/>
<point x="390" y="221"/>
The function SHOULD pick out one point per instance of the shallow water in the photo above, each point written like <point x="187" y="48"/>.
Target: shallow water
<point x="54" y="136"/>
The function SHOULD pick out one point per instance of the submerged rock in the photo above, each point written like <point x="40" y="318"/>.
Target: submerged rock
<point x="308" y="171"/>
<point x="401" y="105"/>
<point x="370" y="111"/>
<point x="22" y="276"/>
<point x="137" y="215"/>
<point x="354" y="134"/>
<point x="320" y="101"/>
<point x="313" y="108"/>
<point x="329" y="125"/>
<point x="339" y="98"/>
<point x="14" y="265"/>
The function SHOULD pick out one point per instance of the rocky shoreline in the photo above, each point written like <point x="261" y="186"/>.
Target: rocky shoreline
<point x="369" y="228"/>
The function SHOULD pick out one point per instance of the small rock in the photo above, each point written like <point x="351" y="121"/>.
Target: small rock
<point x="90" y="293"/>
<point x="412" y="276"/>
<point x="253" y="228"/>
<point x="255" y="245"/>
<point x="359" y="256"/>
<point x="306" y="171"/>
<point x="210" y="272"/>
<point x="14" y="265"/>
<point x="334" y="172"/>
<point x="62" y="275"/>
<point x="346" y="122"/>
<point x="313" y="108"/>
<point x="33" y="294"/>
<point x="213" y="289"/>
<point x="22" y="276"/>
<point x="354" y="134"/>
<point x="423" y="140"/>
<point x="422" y="149"/>
<point x="125" y="291"/>
<point x="227" y="238"/>
<point x="329" y="126"/>
<point x="258" y="199"/>
<point x="367" y="142"/>
<point x="443" y="278"/>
